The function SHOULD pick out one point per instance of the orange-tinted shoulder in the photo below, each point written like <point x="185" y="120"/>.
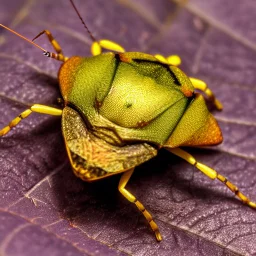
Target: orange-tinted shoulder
<point x="197" y="127"/>
<point x="67" y="75"/>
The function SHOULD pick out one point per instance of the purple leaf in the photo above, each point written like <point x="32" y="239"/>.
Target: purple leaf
<point x="46" y="210"/>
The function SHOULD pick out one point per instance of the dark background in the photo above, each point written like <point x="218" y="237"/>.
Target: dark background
<point x="46" y="210"/>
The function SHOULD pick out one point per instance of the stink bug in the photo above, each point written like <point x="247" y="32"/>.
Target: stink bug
<point x="120" y="108"/>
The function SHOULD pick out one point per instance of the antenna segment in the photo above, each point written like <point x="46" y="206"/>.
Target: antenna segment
<point x="19" y="35"/>
<point x="78" y="14"/>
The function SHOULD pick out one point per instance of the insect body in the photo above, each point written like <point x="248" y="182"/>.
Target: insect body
<point x="121" y="107"/>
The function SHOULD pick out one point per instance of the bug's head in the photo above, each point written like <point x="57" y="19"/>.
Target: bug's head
<point x="79" y="78"/>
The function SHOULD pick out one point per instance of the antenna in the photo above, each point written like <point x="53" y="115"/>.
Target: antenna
<point x="77" y="12"/>
<point x="17" y="34"/>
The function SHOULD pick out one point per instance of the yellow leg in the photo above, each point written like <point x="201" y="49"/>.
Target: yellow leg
<point x="211" y="173"/>
<point x="55" y="44"/>
<point x="121" y="187"/>
<point x="201" y="85"/>
<point x="173" y="60"/>
<point x="34" y="108"/>
<point x="97" y="47"/>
